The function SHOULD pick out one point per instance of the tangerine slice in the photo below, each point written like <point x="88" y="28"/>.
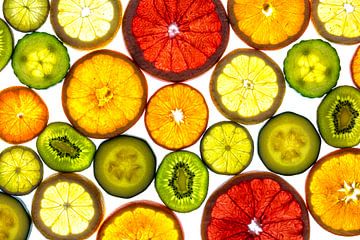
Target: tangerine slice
<point x="175" y="40"/>
<point x="333" y="192"/>
<point x="355" y="68"/>
<point x="269" y="24"/>
<point x="23" y="114"/>
<point x="176" y="116"/>
<point x="104" y="94"/>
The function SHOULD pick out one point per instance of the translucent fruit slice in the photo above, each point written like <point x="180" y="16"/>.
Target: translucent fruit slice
<point x="333" y="192"/>
<point x="176" y="116"/>
<point x="141" y="220"/>
<point x="227" y="148"/>
<point x="6" y="44"/>
<point x="85" y="24"/>
<point x="67" y="206"/>
<point x="355" y="68"/>
<point x="23" y="114"/>
<point x="247" y="86"/>
<point x="21" y="170"/>
<point x="173" y="40"/>
<point x="269" y="24"/>
<point x="26" y="15"/>
<point x="337" y="20"/>
<point x="104" y="94"/>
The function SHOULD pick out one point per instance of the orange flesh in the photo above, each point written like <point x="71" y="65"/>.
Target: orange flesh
<point x="23" y="115"/>
<point x="355" y="68"/>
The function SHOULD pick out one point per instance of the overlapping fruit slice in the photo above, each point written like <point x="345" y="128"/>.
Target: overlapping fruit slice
<point x="355" y="68"/>
<point x="175" y="40"/>
<point x="255" y="206"/>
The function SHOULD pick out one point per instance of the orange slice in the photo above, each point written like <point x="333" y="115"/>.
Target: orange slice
<point x="104" y="94"/>
<point x="355" y="68"/>
<point x="23" y="114"/>
<point x="176" y="116"/>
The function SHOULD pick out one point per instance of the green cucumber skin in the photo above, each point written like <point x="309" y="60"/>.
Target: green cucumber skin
<point x="9" y="44"/>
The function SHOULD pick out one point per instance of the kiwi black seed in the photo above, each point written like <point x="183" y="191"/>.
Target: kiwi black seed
<point x="182" y="181"/>
<point x="338" y="117"/>
<point x="64" y="149"/>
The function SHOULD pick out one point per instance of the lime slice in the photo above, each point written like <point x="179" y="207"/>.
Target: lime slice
<point x="6" y="44"/>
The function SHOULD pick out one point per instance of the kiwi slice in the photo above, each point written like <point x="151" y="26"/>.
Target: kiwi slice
<point x="124" y="166"/>
<point x="40" y="60"/>
<point x="64" y="149"/>
<point x="312" y="67"/>
<point x="182" y="181"/>
<point x="15" y="221"/>
<point x="288" y="144"/>
<point x="338" y="117"/>
<point x="6" y="44"/>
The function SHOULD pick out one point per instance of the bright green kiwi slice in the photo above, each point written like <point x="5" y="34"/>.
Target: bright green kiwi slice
<point x="182" y="181"/>
<point x="338" y="117"/>
<point x="40" y="60"/>
<point x="6" y="44"/>
<point x="288" y="144"/>
<point x="312" y="67"/>
<point x="64" y="149"/>
<point x="15" y="221"/>
<point x="124" y="166"/>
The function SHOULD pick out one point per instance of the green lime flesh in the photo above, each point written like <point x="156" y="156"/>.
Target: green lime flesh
<point x="6" y="44"/>
<point x="124" y="166"/>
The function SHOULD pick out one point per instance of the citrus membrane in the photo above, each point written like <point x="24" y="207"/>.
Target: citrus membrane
<point x="355" y="68"/>
<point x="6" y="44"/>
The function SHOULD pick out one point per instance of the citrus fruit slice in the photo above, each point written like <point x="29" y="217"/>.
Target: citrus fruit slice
<point x="26" y="15"/>
<point x="355" y="68"/>
<point x="269" y="24"/>
<point x="23" y="114"/>
<point x="67" y="206"/>
<point x="141" y="220"/>
<point x="175" y="41"/>
<point x="254" y="206"/>
<point x="337" y="20"/>
<point x="104" y="94"/>
<point x="247" y="86"/>
<point x="21" y="170"/>
<point x="176" y="116"/>
<point x="333" y="192"/>
<point x="6" y="44"/>
<point x="227" y="148"/>
<point x="85" y="24"/>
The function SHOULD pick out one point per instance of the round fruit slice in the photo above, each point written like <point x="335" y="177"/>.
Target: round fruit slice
<point x="104" y="94"/>
<point x="21" y="170"/>
<point x="176" y="116"/>
<point x="40" y="60"/>
<point x="85" y="24"/>
<point x="288" y="144"/>
<point x="63" y="149"/>
<point x="227" y="148"/>
<point x="268" y="24"/>
<point x="23" y="114"/>
<point x="26" y="15"/>
<point x="141" y="220"/>
<point x="15" y="221"/>
<point x="247" y="86"/>
<point x="255" y="205"/>
<point x="312" y="67"/>
<point x="124" y="166"/>
<point x="175" y="41"/>
<point x="67" y="206"/>
<point x="337" y="20"/>
<point x="338" y="117"/>
<point x="333" y="192"/>
<point x="182" y="181"/>
<point x="355" y="68"/>
<point x="6" y="44"/>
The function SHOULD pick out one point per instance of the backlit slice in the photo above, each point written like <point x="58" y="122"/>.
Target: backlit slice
<point x="23" y="114"/>
<point x="104" y="94"/>
<point x="355" y="68"/>
<point x="86" y="24"/>
<point x="337" y="20"/>
<point x="247" y="86"/>
<point x="6" y="44"/>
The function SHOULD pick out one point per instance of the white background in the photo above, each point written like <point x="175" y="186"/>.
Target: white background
<point x="191" y="222"/>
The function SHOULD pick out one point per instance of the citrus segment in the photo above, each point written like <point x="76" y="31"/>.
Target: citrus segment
<point x="23" y="114"/>
<point x="176" y="116"/>
<point x="6" y="44"/>
<point x="104" y="94"/>
<point x="355" y="68"/>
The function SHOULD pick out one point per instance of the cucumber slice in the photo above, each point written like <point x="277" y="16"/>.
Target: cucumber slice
<point x="40" y="60"/>
<point x="312" y="67"/>
<point x="6" y="44"/>
<point x="288" y="144"/>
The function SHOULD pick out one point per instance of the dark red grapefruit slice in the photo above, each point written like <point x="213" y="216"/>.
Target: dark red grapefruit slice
<point x="175" y="40"/>
<point x="255" y="206"/>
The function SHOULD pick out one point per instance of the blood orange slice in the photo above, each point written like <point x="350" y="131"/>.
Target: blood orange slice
<point x="175" y="40"/>
<point x="255" y="206"/>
